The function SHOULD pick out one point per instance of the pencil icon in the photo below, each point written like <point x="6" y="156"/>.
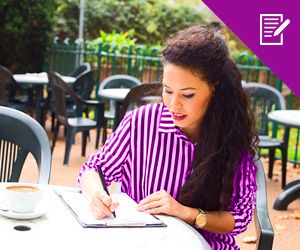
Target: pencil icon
<point x="282" y="26"/>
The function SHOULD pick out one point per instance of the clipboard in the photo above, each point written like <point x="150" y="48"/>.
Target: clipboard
<point x="127" y="215"/>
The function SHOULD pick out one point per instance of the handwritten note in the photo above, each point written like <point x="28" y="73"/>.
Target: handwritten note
<point x="127" y="215"/>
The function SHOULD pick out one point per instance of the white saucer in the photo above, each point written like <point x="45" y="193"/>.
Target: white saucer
<point x="23" y="216"/>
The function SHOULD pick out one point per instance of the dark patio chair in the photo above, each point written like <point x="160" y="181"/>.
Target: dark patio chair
<point x="83" y="87"/>
<point x="84" y="84"/>
<point x="20" y="135"/>
<point x="9" y="92"/>
<point x="263" y="226"/>
<point x="73" y="124"/>
<point x="141" y="95"/>
<point x="116" y="81"/>
<point x="81" y="69"/>
<point x="264" y="99"/>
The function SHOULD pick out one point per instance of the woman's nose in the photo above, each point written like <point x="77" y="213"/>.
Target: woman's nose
<point x="175" y="102"/>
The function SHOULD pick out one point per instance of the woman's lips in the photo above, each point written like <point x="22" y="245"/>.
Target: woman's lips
<point x="178" y="117"/>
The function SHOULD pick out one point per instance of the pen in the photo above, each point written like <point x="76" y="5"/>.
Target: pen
<point x="104" y="186"/>
<point x="281" y="27"/>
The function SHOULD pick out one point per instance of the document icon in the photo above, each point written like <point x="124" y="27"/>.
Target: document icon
<point x="271" y="29"/>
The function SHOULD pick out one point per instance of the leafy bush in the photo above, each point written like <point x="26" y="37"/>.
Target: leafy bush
<point x="149" y="21"/>
<point x="111" y="42"/>
<point x="112" y="38"/>
<point x="25" y="30"/>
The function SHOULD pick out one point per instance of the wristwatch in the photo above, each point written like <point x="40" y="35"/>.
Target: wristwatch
<point x="201" y="219"/>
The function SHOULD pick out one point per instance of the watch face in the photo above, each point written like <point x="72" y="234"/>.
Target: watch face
<point x="201" y="220"/>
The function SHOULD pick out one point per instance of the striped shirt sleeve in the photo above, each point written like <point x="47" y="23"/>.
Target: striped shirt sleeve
<point x="243" y="200"/>
<point x="112" y="155"/>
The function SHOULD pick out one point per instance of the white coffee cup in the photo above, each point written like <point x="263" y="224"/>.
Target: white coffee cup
<point x="23" y="198"/>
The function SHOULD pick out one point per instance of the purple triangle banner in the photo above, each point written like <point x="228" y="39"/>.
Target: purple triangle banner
<point x="271" y="29"/>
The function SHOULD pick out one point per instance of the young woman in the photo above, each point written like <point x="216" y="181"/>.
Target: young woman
<point x="192" y="155"/>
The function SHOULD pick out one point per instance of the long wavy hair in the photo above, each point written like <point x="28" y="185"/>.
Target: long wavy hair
<point x="228" y="127"/>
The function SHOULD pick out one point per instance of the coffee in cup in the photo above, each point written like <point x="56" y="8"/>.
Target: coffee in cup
<point x="23" y="198"/>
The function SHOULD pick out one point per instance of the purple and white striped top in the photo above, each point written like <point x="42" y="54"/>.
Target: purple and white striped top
<point x="148" y="153"/>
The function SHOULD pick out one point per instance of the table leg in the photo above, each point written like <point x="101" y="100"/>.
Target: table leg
<point x="284" y="155"/>
<point x="38" y="101"/>
<point x="287" y="196"/>
<point x="117" y="114"/>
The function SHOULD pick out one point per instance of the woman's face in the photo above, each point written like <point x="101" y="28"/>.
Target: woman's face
<point x="187" y="98"/>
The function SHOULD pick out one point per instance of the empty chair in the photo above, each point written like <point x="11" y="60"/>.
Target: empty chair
<point x="83" y="87"/>
<point x="84" y="84"/>
<point x="115" y="82"/>
<point x="80" y="69"/>
<point x="19" y="135"/>
<point x="73" y="124"/>
<point x="119" y="81"/>
<point x="264" y="99"/>
<point x="9" y="91"/>
<point x="141" y="95"/>
<point x="263" y="226"/>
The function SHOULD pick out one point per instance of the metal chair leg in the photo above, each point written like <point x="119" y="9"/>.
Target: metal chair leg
<point x="69" y="140"/>
<point x="271" y="162"/>
<point x="83" y="144"/>
<point x="56" y="130"/>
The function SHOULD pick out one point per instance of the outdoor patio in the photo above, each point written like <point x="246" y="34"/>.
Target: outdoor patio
<point x="285" y="223"/>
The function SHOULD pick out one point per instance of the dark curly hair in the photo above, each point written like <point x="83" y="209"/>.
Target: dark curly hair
<point x="228" y="127"/>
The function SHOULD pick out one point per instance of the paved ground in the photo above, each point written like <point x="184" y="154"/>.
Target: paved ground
<point x="286" y="224"/>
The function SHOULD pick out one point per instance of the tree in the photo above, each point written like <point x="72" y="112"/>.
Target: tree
<point x="149" y="21"/>
<point x="25" y="31"/>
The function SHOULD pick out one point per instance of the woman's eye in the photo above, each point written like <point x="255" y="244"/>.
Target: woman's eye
<point x="188" y="96"/>
<point x="168" y="92"/>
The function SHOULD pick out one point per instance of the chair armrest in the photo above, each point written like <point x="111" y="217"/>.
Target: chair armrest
<point x="264" y="230"/>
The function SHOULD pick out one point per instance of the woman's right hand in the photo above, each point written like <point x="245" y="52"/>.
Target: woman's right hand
<point x="102" y="205"/>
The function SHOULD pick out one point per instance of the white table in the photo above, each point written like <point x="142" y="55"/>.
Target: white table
<point x="289" y="119"/>
<point x="38" y="81"/>
<point x="116" y="96"/>
<point x="58" y="229"/>
<point x="38" y="78"/>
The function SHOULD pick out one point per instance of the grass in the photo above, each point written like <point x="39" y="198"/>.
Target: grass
<point x="293" y="154"/>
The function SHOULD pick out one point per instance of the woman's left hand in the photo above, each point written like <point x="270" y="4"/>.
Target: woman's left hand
<point x="160" y="203"/>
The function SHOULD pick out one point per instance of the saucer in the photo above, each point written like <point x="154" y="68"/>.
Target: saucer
<point x="23" y="216"/>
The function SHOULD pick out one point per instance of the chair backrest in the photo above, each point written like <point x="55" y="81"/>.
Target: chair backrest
<point x="119" y="81"/>
<point x="8" y="86"/>
<point x="80" y="69"/>
<point x="19" y="135"/>
<point x="141" y="95"/>
<point x="84" y="84"/>
<point x="264" y="230"/>
<point x="264" y="99"/>
<point x="59" y="89"/>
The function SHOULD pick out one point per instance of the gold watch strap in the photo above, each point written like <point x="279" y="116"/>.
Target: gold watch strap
<point x="201" y="211"/>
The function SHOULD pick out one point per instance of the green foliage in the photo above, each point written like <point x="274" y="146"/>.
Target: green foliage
<point x="111" y="42"/>
<point x="114" y="38"/>
<point x="149" y="21"/>
<point x="25" y="30"/>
